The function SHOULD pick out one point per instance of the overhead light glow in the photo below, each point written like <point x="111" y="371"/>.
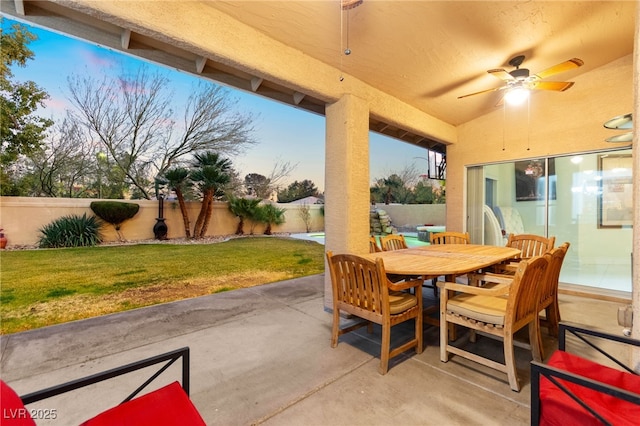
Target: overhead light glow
<point x="516" y="96"/>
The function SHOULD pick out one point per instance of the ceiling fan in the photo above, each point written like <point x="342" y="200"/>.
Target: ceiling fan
<point x="520" y="78"/>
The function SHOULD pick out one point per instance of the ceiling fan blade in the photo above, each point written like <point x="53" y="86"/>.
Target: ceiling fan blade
<point x="562" y="67"/>
<point x="501" y="74"/>
<point x="483" y="91"/>
<point x="558" y="86"/>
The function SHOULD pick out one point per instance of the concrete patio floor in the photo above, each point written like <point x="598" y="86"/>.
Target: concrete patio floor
<point x="261" y="355"/>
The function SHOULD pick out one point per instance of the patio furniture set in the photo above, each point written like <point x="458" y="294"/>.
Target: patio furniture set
<point x="508" y="287"/>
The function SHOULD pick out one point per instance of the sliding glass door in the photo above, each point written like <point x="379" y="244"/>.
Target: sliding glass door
<point x="583" y="199"/>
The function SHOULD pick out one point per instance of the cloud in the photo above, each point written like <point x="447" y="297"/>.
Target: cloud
<point x="56" y="107"/>
<point x="97" y="58"/>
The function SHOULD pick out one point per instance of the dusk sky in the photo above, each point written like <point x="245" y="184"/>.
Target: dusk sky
<point x="284" y="133"/>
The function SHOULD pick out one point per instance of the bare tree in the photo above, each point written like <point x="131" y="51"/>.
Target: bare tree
<point x="65" y="167"/>
<point x="265" y="186"/>
<point x="304" y="213"/>
<point x="132" y="116"/>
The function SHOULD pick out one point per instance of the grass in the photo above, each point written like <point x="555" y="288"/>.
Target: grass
<point x="46" y="287"/>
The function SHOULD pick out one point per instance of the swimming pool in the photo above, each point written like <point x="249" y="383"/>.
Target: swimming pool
<point x="411" y="238"/>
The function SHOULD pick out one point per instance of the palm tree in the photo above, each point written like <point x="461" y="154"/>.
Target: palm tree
<point x="178" y="181"/>
<point x="211" y="174"/>
<point x="271" y="215"/>
<point x="244" y="208"/>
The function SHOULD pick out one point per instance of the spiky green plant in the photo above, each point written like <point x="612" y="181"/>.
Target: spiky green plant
<point x="71" y="231"/>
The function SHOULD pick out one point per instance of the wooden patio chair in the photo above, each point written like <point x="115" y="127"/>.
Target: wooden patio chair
<point x="499" y="311"/>
<point x="548" y="300"/>
<point x="360" y="287"/>
<point x="549" y="291"/>
<point x="373" y="245"/>
<point x="393" y="242"/>
<point x="450" y="237"/>
<point x="530" y="245"/>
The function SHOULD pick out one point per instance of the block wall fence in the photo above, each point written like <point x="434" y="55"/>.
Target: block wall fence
<point x="21" y="218"/>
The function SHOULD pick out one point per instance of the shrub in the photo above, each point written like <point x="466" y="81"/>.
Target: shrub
<point x="71" y="231"/>
<point x="271" y="215"/>
<point x="114" y="212"/>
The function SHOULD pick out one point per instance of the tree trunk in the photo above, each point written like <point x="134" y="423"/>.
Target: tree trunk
<point x="185" y="214"/>
<point x="267" y="231"/>
<point x="207" y="216"/>
<point x="240" y="228"/>
<point x="200" y="220"/>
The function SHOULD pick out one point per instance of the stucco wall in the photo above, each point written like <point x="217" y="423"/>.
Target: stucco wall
<point x="22" y="217"/>
<point x="557" y="123"/>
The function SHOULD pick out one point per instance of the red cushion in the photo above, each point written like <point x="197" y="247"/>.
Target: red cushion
<point x="557" y="408"/>
<point x="166" y="406"/>
<point x="12" y="409"/>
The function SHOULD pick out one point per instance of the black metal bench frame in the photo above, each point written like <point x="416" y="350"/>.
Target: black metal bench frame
<point x="167" y="358"/>
<point x="553" y="374"/>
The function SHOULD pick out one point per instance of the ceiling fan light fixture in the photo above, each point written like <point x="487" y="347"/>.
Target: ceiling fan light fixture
<point x="516" y="96"/>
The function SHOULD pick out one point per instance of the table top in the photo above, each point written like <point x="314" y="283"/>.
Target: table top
<point x="443" y="259"/>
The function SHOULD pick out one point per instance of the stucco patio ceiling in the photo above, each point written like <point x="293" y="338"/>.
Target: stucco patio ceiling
<point x="425" y="53"/>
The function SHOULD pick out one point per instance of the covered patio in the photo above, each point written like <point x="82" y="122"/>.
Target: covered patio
<point x="261" y="355"/>
<point x="407" y="66"/>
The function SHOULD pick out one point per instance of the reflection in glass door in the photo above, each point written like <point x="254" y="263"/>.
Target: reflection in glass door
<point x="583" y="199"/>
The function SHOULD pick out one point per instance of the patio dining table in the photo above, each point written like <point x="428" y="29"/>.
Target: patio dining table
<point x="443" y="259"/>
<point x="449" y="260"/>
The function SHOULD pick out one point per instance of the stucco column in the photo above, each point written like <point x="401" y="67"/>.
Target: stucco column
<point x="346" y="215"/>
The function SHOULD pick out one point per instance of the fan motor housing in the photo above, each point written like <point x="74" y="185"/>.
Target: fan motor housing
<point x="520" y="73"/>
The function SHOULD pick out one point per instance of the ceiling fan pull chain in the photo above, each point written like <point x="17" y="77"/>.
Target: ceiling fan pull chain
<point x="347" y="51"/>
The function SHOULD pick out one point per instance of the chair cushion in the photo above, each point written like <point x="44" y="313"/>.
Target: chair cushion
<point x="166" y="406"/>
<point x="12" y="408"/>
<point x="557" y="408"/>
<point x="400" y="301"/>
<point x="488" y="309"/>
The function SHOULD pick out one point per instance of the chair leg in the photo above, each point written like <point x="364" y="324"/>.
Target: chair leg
<point x="336" y="327"/>
<point x="535" y="340"/>
<point x="510" y="363"/>
<point x="553" y="318"/>
<point x="419" y="338"/>
<point x="385" y="346"/>
<point x="444" y="331"/>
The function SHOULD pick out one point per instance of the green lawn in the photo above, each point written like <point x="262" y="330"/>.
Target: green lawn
<point x="45" y="287"/>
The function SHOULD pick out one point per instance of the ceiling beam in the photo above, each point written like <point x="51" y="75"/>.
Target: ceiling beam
<point x="125" y="39"/>
<point x="19" y="4"/>
<point x="298" y="97"/>
<point x="201" y="62"/>
<point x="255" y="83"/>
